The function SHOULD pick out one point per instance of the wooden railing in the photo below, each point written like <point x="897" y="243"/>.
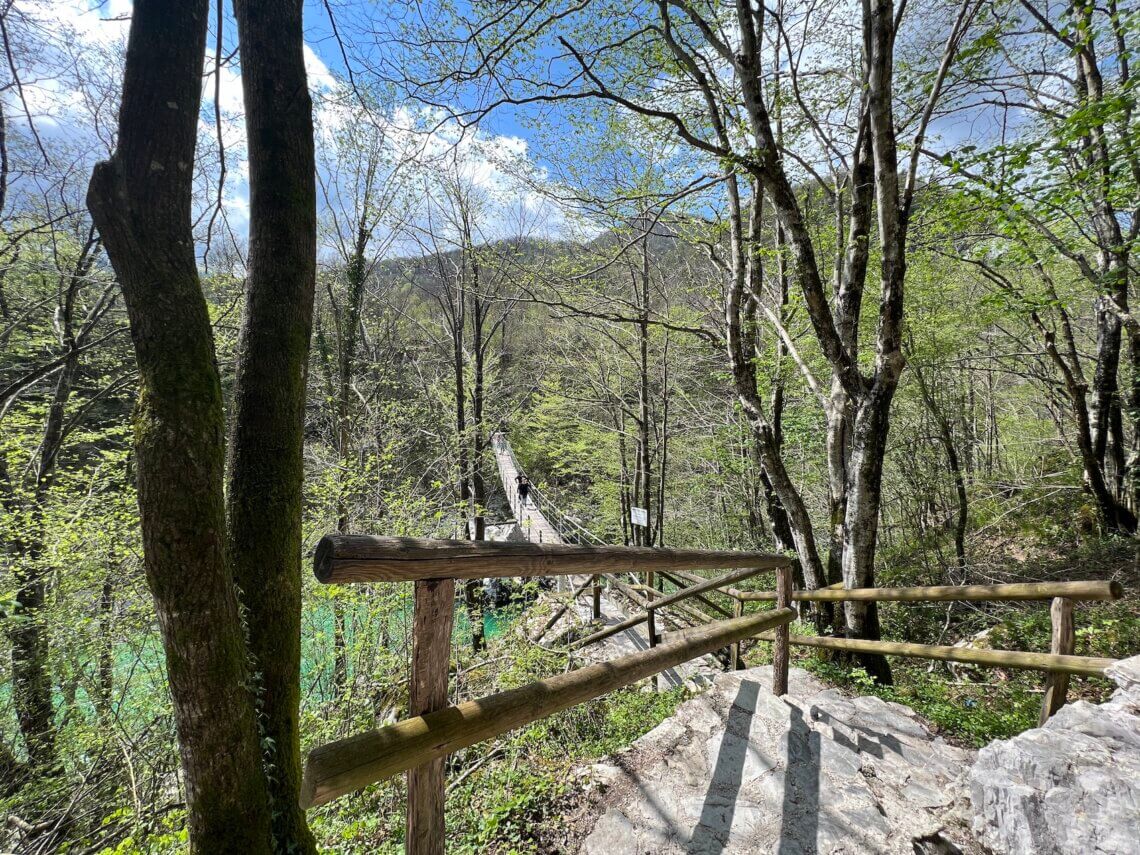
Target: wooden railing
<point x="419" y="745"/>
<point x="1058" y="664"/>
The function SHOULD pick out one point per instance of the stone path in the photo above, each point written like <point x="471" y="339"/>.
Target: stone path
<point x="738" y="770"/>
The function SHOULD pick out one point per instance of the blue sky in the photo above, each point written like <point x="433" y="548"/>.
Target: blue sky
<point x="101" y="25"/>
<point x="96" y="30"/>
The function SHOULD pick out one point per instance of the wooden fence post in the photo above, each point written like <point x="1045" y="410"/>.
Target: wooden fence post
<point x="734" y="649"/>
<point x="651" y="625"/>
<point x="1064" y="643"/>
<point x="780" y="646"/>
<point x="597" y="611"/>
<point x="431" y="661"/>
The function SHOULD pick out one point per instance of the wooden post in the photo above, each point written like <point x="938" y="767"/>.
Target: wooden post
<point x="651" y="626"/>
<point x="780" y="646"/>
<point x="734" y="649"/>
<point x="431" y="661"/>
<point x="1063" y="644"/>
<point x="597" y="611"/>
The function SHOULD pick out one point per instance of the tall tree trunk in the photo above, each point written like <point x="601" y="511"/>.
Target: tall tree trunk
<point x="1116" y="516"/>
<point x="106" y="677"/>
<point x="140" y="200"/>
<point x="663" y="454"/>
<point x="740" y="348"/>
<point x="266" y="468"/>
<point x="838" y="453"/>
<point x="27" y="634"/>
<point x="1132" y="462"/>
<point x="781" y="527"/>
<point x="626" y="499"/>
<point x="946" y="437"/>
<point x="1104" y="389"/>
<point x="458" y="364"/>
<point x="348" y="319"/>
<point x="862" y="525"/>
<point x="31" y="678"/>
<point x="473" y="590"/>
<point x="645" y="472"/>
<point x="872" y="414"/>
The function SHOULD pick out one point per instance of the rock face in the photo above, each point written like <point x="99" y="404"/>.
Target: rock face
<point x="738" y="770"/>
<point x="1070" y="786"/>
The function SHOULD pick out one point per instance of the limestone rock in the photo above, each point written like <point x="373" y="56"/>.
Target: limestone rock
<point x="1070" y="786"/>
<point x="738" y="770"/>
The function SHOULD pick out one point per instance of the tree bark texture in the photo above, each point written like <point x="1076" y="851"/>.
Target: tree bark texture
<point x="266" y="471"/>
<point x="140" y="200"/>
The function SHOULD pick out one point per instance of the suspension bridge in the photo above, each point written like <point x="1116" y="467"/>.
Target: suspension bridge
<point x="541" y="521"/>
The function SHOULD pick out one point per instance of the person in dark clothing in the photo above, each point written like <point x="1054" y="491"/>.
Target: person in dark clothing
<point x="524" y="489"/>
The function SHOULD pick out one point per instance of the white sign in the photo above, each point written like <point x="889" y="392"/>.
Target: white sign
<point x="639" y="516"/>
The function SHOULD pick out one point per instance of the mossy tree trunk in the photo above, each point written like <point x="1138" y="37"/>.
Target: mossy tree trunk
<point x="27" y="632"/>
<point x="266" y="470"/>
<point x="141" y="201"/>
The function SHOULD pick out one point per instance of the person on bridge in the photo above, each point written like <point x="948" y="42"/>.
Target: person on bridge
<point x="524" y="489"/>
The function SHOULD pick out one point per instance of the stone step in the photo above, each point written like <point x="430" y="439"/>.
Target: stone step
<point x="738" y="770"/>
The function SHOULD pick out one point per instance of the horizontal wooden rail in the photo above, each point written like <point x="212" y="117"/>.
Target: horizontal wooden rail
<point x="664" y="601"/>
<point x="635" y="593"/>
<point x="343" y="558"/>
<point x="719" y="582"/>
<point x="349" y="764"/>
<point x="695" y="578"/>
<point x="679" y="581"/>
<point x="768" y="596"/>
<point x="553" y="619"/>
<point x="1084" y="666"/>
<point x="690" y="577"/>
<point x="942" y="593"/>
<point x="613" y="629"/>
<point x="686" y="610"/>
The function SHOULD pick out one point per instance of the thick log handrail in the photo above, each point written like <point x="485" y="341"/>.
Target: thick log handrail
<point x="348" y="558"/>
<point x="1082" y="666"/>
<point x="346" y="765"/>
<point x="944" y="593"/>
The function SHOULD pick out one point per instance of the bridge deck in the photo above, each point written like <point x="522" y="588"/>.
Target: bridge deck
<point x="532" y="521"/>
<point x="538" y="529"/>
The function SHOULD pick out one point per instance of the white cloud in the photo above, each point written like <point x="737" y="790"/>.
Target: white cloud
<point x="75" y="51"/>
<point x="320" y="78"/>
